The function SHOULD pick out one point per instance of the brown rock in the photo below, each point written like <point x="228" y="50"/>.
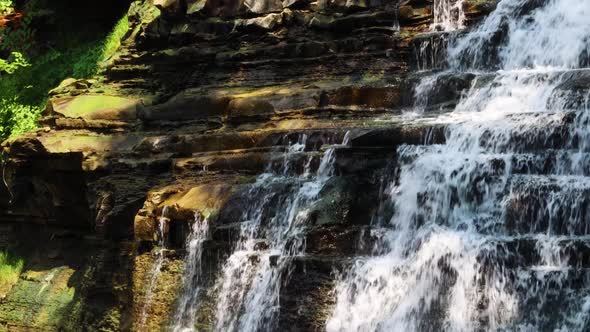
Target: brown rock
<point x="26" y="147"/>
<point x="185" y="106"/>
<point x="244" y="107"/>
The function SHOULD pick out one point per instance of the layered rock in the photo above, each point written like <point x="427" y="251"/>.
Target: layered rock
<point x="202" y="97"/>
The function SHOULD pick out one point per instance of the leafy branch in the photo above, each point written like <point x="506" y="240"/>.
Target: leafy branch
<point x="14" y="62"/>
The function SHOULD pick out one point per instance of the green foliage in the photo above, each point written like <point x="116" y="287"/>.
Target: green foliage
<point x="10" y="269"/>
<point x="23" y="91"/>
<point x="5" y="5"/>
<point x="20" y="39"/>
<point x="16" y="118"/>
<point x="113" y="40"/>
<point x="93" y="55"/>
<point x="15" y="61"/>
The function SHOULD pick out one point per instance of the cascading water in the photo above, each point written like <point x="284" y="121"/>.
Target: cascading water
<point x="270" y="236"/>
<point x="490" y="228"/>
<point x="192" y="287"/>
<point x="157" y="267"/>
<point x="448" y="15"/>
<point x="430" y="49"/>
<point x="429" y="52"/>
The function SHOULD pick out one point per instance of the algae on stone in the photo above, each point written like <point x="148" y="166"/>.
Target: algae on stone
<point x="97" y="107"/>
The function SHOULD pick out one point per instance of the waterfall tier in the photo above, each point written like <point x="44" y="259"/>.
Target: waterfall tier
<point x="269" y="165"/>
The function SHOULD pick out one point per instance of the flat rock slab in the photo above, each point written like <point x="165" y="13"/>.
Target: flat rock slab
<point x="96" y="107"/>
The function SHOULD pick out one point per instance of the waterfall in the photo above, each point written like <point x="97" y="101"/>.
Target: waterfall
<point x="448" y="15"/>
<point x="488" y="227"/>
<point x="188" y="303"/>
<point x="430" y="49"/>
<point x="271" y="235"/>
<point x="157" y="266"/>
<point x="429" y="52"/>
<point x="552" y="36"/>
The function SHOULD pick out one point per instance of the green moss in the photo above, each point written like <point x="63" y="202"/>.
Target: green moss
<point x="81" y="54"/>
<point x="372" y="77"/>
<point x="10" y="269"/>
<point x="90" y="61"/>
<point x="39" y="299"/>
<point x="88" y="104"/>
<point x="65" y="142"/>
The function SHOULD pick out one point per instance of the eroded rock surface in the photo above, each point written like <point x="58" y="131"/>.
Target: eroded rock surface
<point x="202" y="97"/>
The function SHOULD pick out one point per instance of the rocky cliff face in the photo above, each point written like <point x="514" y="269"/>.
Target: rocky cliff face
<point x="203" y="96"/>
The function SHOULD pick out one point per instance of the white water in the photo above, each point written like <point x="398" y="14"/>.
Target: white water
<point x="192" y="287"/>
<point x="448" y="260"/>
<point x="156" y="269"/>
<point x="448" y="15"/>
<point x="554" y="36"/>
<point x="429" y="51"/>
<point x="270" y="236"/>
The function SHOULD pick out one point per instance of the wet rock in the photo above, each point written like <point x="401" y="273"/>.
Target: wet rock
<point x="573" y="90"/>
<point x="446" y="88"/>
<point x="385" y="97"/>
<point x="392" y="137"/>
<point x="358" y="161"/>
<point x="414" y="15"/>
<point x="305" y="297"/>
<point x="344" y="200"/>
<point x="183" y="202"/>
<point x="479" y="8"/>
<point x="202" y="97"/>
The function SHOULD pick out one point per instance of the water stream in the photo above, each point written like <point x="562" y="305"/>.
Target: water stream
<point x="448" y="15"/>
<point x="271" y="235"/>
<point x="156" y="268"/>
<point x="192" y="286"/>
<point x="430" y="50"/>
<point x="488" y="226"/>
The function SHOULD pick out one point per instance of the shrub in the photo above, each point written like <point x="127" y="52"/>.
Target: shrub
<point x="10" y="268"/>
<point x="5" y="6"/>
<point x="24" y="85"/>
<point x="15" y="61"/>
